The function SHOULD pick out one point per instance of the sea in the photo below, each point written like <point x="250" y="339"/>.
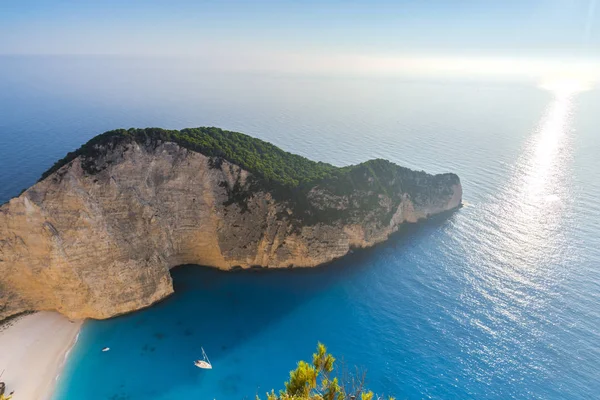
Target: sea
<point x="498" y="300"/>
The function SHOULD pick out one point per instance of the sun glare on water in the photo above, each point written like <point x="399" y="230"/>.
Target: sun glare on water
<point x="566" y="86"/>
<point x="530" y="213"/>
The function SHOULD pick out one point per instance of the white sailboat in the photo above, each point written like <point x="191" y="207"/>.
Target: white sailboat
<point x="204" y="363"/>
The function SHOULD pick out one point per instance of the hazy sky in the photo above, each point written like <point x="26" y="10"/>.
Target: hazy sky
<point x="315" y="35"/>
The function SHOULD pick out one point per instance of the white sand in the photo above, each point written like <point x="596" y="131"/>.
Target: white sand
<point x="32" y="353"/>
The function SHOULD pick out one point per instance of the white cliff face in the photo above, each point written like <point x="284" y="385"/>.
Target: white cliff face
<point x="101" y="245"/>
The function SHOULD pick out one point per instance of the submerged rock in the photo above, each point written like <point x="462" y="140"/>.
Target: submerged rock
<point x="97" y="235"/>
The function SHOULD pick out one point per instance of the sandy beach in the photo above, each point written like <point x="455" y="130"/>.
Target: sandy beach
<point x="32" y="353"/>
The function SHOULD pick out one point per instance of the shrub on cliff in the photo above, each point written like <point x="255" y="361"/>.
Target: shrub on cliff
<point x="315" y="382"/>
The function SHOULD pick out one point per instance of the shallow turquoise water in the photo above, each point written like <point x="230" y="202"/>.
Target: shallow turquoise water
<point x="498" y="300"/>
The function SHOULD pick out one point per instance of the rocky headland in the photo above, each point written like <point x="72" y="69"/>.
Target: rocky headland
<point x="97" y="235"/>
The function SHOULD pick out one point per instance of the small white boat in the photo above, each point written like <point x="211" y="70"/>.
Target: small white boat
<point x="204" y="363"/>
<point x="106" y="349"/>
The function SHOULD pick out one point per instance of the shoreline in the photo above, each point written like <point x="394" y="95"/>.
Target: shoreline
<point x="35" y="350"/>
<point x="60" y="368"/>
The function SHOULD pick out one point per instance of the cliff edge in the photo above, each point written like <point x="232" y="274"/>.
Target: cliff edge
<point x="97" y="235"/>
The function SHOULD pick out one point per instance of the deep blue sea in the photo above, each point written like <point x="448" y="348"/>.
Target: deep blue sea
<point x="500" y="300"/>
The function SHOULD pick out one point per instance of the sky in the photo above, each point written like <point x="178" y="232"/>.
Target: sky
<point x="484" y="36"/>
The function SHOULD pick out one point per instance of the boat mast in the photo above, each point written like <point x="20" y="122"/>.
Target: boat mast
<point x="205" y="356"/>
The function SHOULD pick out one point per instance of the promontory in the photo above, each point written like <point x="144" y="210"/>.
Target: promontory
<point x="97" y="234"/>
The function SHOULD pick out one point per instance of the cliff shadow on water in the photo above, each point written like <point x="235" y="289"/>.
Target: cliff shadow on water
<point x="259" y="297"/>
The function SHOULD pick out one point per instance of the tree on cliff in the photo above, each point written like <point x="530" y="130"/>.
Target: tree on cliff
<point x="315" y="382"/>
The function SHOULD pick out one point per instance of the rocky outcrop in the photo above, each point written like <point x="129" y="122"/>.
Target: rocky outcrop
<point x="101" y="244"/>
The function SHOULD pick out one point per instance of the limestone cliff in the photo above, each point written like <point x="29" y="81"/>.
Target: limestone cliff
<point x="97" y="236"/>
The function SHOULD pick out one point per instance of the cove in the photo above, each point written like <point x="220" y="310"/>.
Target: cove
<point x="255" y="325"/>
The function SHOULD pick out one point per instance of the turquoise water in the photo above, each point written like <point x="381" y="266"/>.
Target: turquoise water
<point x="498" y="300"/>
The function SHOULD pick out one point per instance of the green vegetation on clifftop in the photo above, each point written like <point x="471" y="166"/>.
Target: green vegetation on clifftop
<point x="254" y="155"/>
<point x="342" y="192"/>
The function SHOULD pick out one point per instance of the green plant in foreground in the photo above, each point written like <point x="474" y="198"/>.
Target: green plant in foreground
<point x="315" y="382"/>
